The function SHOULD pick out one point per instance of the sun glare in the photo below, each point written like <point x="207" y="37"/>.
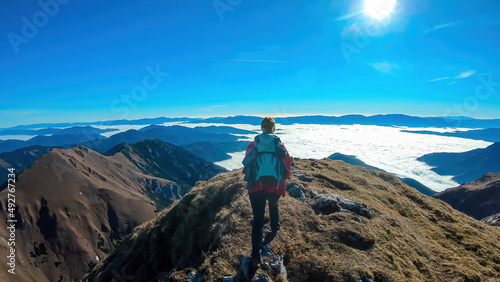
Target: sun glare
<point x="379" y="9"/>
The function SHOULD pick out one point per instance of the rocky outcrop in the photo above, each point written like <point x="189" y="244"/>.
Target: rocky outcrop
<point x="493" y="220"/>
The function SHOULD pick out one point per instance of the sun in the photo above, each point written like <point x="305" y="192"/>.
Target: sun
<point x="379" y="9"/>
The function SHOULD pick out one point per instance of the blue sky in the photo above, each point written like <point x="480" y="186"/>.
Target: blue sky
<point x="100" y="60"/>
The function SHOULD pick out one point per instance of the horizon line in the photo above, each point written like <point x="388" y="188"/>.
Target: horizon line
<point x="77" y="123"/>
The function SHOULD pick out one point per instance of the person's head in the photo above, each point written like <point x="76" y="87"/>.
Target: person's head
<point x="268" y="125"/>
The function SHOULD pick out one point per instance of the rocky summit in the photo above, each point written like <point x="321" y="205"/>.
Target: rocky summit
<point x="339" y="222"/>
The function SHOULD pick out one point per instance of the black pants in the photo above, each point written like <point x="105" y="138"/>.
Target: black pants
<point x="258" y="201"/>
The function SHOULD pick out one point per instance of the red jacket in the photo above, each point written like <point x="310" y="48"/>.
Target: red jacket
<point x="270" y="187"/>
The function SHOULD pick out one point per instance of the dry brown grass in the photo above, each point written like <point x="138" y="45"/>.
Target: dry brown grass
<point x="412" y="237"/>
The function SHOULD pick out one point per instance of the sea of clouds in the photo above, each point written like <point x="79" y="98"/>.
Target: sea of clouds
<point x="387" y="148"/>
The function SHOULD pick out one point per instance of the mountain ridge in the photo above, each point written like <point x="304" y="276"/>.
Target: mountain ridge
<point x="467" y="166"/>
<point x="411" y="237"/>
<point x="74" y="205"/>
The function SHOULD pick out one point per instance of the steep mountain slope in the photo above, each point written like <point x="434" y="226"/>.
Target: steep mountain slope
<point x="468" y="166"/>
<point x="478" y="199"/>
<point x="168" y="161"/>
<point x="408" y="181"/>
<point x="74" y="205"/>
<point x="411" y="237"/>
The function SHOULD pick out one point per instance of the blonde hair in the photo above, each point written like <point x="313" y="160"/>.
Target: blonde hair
<point x="268" y="125"/>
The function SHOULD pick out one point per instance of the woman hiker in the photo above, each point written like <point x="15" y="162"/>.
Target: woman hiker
<point x="267" y="166"/>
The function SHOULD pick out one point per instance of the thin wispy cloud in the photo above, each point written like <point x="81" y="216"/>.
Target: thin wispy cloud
<point x="254" y="61"/>
<point x="443" y="26"/>
<point x="385" y="67"/>
<point x="487" y="19"/>
<point x="439" y="78"/>
<point x="465" y="74"/>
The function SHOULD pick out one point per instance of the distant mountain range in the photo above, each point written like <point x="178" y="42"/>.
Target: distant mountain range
<point x="353" y="160"/>
<point x="488" y="134"/>
<point x="74" y="205"/>
<point x="210" y="143"/>
<point x="177" y="135"/>
<point x="479" y="199"/>
<point x="468" y="166"/>
<point x="144" y="121"/>
<point x="48" y="141"/>
<point x="45" y="131"/>
<point x="386" y="120"/>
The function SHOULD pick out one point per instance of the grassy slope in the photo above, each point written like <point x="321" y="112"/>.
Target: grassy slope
<point x="411" y="238"/>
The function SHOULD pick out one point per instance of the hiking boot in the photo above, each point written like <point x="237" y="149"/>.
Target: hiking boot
<point x="266" y="250"/>
<point x="255" y="263"/>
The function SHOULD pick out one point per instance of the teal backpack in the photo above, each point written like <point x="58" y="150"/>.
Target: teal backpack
<point x="269" y="166"/>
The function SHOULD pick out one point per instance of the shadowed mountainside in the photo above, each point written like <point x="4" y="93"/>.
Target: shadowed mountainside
<point x="468" y="166"/>
<point x="479" y="199"/>
<point x="73" y="205"/>
<point x="411" y="237"/>
<point x="168" y="161"/>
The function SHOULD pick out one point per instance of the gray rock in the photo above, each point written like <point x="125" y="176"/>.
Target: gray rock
<point x="329" y="202"/>
<point x="493" y="220"/>
<point x="296" y="191"/>
<point x="195" y="277"/>
<point x="303" y="177"/>
<point x="313" y="194"/>
<point x="278" y="265"/>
